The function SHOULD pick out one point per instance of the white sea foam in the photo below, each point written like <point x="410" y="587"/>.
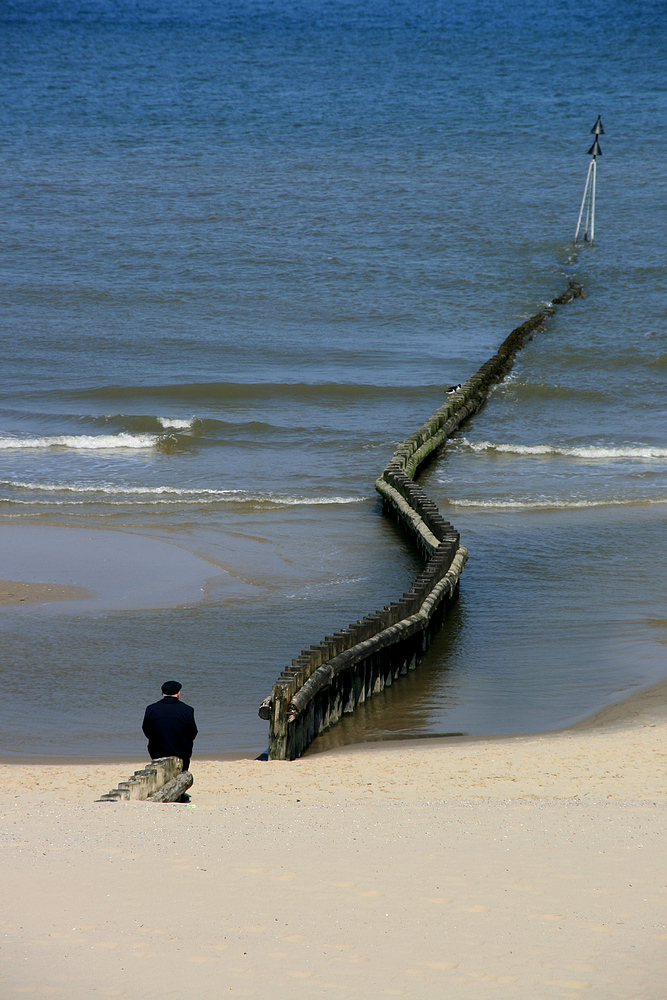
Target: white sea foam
<point x="307" y="501"/>
<point x="176" y="424"/>
<point x="109" y="488"/>
<point x="156" y="494"/>
<point x="553" y="504"/>
<point x="269" y="501"/>
<point x="582" y="452"/>
<point x="82" y="441"/>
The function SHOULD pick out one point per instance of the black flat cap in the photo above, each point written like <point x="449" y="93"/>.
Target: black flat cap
<point x="171" y="687"/>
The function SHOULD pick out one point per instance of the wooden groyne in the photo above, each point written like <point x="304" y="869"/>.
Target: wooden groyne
<point x="332" y="678"/>
<point x="163" y="780"/>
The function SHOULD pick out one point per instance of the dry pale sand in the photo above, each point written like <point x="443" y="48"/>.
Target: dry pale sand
<point x="527" y="867"/>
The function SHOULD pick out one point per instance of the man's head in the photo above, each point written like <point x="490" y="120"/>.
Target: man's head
<point x="171" y="689"/>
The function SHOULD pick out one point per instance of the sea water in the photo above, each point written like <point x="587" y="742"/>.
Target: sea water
<point x="244" y="248"/>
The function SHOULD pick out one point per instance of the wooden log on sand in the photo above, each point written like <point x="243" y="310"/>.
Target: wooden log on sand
<point x="174" y="789"/>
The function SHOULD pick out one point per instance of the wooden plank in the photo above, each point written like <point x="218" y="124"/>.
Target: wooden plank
<point x="174" y="789"/>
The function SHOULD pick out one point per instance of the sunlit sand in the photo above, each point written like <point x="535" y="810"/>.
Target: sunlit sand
<point x="518" y="867"/>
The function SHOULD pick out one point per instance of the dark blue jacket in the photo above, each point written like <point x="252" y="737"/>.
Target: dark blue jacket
<point x="170" y="727"/>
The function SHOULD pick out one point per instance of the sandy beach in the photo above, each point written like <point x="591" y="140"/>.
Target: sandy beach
<point x="529" y="866"/>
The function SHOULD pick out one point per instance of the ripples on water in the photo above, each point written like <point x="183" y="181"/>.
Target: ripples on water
<point x="244" y="248"/>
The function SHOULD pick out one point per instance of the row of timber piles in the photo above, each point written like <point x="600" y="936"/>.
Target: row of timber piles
<point x="163" y="780"/>
<point x="332" y="678"/>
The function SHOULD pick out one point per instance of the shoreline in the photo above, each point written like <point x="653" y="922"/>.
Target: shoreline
<point x="617" y="753"/>
<point x="621" y="713"/>
<point x="507" y="869"/>
<point x="653" y="697"/>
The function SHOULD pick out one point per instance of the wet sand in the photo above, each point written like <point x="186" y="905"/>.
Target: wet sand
<point x="21" y="592"/>
<point x="522" y="867"/>
<point x="106" y="569"/>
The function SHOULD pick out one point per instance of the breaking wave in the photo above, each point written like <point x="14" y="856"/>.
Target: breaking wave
<point x="146" y="495"/>
<point x="574" y="451"/>
<point x="83" y="441"/>
<point x="553" y="504"/>
<point x="109" y="488"/>
<point x="172" y="423"/>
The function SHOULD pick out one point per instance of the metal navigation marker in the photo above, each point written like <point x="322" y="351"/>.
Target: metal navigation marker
<point x="588" y="200"/>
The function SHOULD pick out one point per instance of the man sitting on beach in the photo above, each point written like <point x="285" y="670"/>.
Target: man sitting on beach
<point x="170" y="725"/>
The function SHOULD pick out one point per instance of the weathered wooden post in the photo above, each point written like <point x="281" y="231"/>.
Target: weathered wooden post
<point x="163" y="780"/>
